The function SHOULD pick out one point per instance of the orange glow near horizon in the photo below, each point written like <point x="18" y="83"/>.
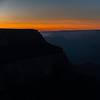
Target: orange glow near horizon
<point x="49" y="25"/>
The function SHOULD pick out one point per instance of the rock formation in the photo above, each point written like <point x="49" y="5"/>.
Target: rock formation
<point x="27" y="61"/>
<point x="31" y="68"/>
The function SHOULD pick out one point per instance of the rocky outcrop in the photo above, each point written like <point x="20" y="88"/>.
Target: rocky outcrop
<point x="31" y="69"/>
<point x="27" y="61"/>
<point x="16" y="44"/>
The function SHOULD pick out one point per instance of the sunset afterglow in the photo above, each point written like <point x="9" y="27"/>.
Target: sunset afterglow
<point x="50" y="14"/>
<point x="42" y="25"/>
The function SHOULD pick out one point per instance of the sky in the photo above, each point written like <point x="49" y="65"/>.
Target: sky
<point x="50" y="14"/>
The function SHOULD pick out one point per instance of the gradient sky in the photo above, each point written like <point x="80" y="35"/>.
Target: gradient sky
<point x="50" y="14"/>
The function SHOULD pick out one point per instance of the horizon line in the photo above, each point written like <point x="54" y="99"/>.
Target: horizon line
<point x="49" y="30"/>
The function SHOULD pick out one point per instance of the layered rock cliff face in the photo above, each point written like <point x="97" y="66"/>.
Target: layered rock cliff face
<point x="30" y="68"/>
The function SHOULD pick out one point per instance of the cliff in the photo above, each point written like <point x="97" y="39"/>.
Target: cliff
<point x="30" y="68"/>
<point x="27" y="61"/>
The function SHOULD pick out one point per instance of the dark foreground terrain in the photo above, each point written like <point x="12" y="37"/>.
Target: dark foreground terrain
<point x="32" y="69"/>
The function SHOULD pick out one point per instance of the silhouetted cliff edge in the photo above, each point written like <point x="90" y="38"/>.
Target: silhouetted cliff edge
<point x="27" y="61"/>
<point x="30" y="68"/>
